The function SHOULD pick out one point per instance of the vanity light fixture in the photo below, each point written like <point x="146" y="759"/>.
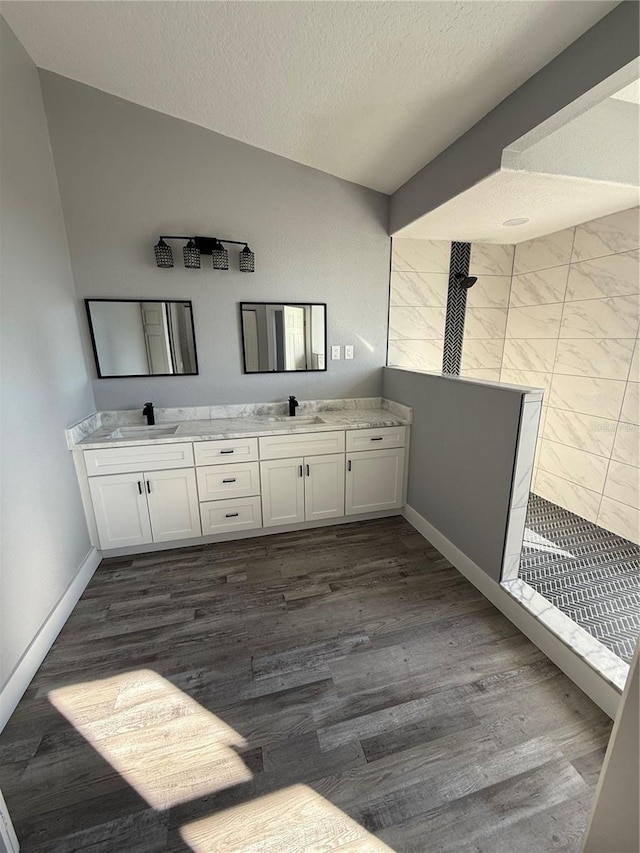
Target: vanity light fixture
<point x="164" y="255"/>
<point x="197" y="246"/>
<point x="191" y="255"/>
<point x="219" y="256"/>
<point x="247" y="260"/>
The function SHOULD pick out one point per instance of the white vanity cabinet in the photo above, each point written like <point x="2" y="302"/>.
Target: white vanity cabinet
<point x="375" y="469"/>
<point x="302" y="477"/>
<point x="134" y="505"/>
<point x="302" y="488"/>
<point x="168" y="491"/>
<point x="228" y="477"/>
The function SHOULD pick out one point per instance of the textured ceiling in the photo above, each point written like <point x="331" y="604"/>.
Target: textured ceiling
<point x="550" y="202"/>
<point x="367" y="91"/>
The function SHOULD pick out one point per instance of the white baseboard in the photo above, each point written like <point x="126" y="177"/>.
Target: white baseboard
<point x="31" y="660"/>
<point x="575" y="667"/>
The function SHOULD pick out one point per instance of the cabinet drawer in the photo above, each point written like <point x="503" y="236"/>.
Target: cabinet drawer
<point x="301" y="444"/>
<point x="376" y="439"/>
<point x="145" y="457"/>
<point x="226" y="450"/>
<point x="236" y="514"/>
<point x="217" y="482"/>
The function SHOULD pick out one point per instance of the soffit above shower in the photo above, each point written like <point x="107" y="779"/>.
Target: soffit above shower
<point x="369" y="92"/>
<point x="580" y="165"/>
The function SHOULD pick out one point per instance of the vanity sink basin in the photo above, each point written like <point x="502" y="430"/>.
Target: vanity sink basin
<point x="298" y="420"/>
<point x="143" y="431"/>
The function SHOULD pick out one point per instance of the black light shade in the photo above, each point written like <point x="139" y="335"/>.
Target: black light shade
<point x="164" y="255"/>
<point x="220" y="256"/>
<point x="191" y="256"/>
<point x="247" y="260"/>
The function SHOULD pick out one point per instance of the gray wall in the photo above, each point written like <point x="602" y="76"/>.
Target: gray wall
<point x="463" y="445"/>
<point x="45" y="383"/>
<point x="608" y="46"/>
<point x="128" y="173"/>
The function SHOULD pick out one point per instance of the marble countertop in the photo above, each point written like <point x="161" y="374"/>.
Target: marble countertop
<point x="242" y="427"/>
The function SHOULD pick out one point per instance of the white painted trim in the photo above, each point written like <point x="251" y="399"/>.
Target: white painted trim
<point x="8" y="839"/>
<point x="33" y="657"/>
<point x="577" y="669"/>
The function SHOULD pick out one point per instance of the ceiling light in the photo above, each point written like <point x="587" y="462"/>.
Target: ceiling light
<point x="520" y="220"/>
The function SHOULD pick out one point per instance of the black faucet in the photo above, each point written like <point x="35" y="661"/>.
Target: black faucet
<point x="293" y="405"/>
<point x="147" y="413"/>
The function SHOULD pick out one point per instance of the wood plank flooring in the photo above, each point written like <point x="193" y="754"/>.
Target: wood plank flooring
<point x="342" y="688"/>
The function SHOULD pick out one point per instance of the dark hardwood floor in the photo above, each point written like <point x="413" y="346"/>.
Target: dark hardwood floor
<point x="342" y="688"/>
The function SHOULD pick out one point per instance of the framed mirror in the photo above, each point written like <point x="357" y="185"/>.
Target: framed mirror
<point x="135" y="337"/>
<point x="279" y="337"/>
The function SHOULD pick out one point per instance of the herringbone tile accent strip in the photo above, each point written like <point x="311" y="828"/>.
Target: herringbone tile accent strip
<point x="456" y="309"/>
<point x="593" y="576"/>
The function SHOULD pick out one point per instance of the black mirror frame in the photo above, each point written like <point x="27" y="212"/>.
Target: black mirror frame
<point x="87" y="303"/>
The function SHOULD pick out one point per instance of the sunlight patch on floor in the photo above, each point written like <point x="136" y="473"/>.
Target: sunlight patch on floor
<point x="537" y="542"/>
<point x="163" y="743"/>
<point x="295" y="820"/>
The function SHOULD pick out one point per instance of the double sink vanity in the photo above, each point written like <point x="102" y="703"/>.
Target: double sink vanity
<point x="224" y="477"/>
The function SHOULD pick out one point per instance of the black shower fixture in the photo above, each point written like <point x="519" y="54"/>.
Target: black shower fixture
<point x="197" y="246"/>
<point x="465" y="281"/>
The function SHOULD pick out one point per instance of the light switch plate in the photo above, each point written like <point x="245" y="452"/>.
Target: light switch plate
<point x="335" y="353"/>
<point x="348" y="351"/>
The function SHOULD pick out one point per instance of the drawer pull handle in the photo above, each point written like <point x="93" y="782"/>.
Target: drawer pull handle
<point x="148" y="487"/>
<point x="300" y="470"/>
<point x="349" y="465"/>
<point x="308" y="471"/>
<point x="229" y="480"/>
<point x="227" y="451"/>
<point x="139" y="487"/>
<point x="379" y="438"/>
<point x="232" y="515"/>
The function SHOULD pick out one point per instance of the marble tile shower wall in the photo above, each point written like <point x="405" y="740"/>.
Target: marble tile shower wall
<point x="572" y="328"/>
<point x="418" y="303"/>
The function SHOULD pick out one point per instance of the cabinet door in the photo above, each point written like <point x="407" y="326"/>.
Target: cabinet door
<point x="282" y="491"/>
<point x="120" y="506"/>
<point x="173" y="504"/>
<point x="324" y="486"/>
<point x="374" y="480"/>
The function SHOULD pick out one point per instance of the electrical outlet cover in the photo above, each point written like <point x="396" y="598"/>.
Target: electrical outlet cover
<point x="335" y="353"/>
<point x="348" y="351"/>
